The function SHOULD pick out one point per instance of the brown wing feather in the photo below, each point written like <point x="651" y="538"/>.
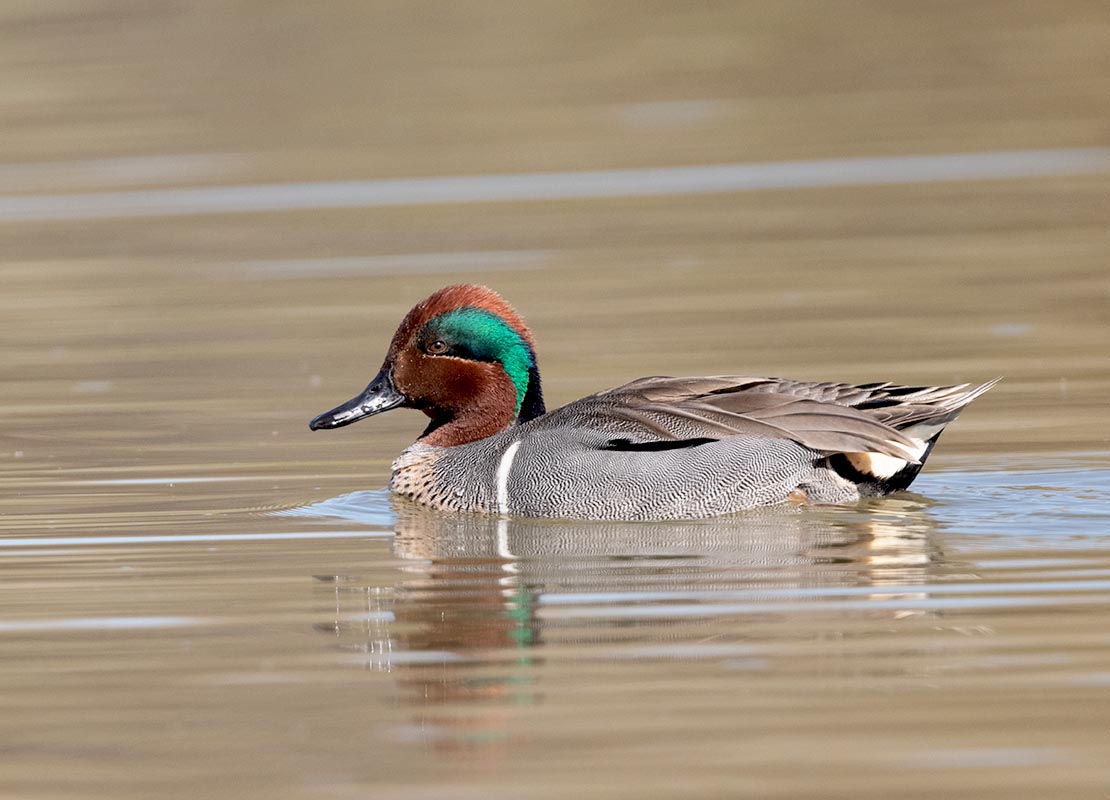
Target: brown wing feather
<point x="830" y="417"/>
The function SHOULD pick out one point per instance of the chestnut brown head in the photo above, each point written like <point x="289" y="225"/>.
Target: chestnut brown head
<point x="464" y="358"/>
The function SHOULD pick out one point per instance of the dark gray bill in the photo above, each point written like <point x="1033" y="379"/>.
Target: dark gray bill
<point x="380" y="395"/>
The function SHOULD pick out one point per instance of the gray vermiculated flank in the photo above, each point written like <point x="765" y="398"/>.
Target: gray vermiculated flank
<point x="707" y="480"/>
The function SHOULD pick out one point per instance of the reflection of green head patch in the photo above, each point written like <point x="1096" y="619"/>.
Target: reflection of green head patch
<point x="483" y="336"/>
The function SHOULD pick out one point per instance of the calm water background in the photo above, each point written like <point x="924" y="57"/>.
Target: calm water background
<point x="211" y="221"/>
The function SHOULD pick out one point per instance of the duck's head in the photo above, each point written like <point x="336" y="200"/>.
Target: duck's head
<point x="462" y="356"/>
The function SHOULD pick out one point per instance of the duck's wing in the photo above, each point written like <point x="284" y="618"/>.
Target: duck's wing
<point x="899" y="406"/>
<point x="664" y="409"/>
<point x="828" y="417"/>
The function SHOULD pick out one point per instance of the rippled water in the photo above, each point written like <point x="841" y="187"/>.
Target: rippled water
<point x="950" y="637"/>
<point x="201" y="598"/>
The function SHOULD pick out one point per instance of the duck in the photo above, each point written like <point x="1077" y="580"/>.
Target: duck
<point x="657" y="448"/>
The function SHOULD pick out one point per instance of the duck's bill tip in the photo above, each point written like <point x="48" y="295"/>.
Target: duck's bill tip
<point x="334" y="419"/>
<point x="379" y="396"/>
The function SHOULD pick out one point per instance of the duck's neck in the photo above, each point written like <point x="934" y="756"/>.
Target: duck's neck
<point x="451" y="430"/>
<point x="532" y="405"/>
<point x="493" y="414"/>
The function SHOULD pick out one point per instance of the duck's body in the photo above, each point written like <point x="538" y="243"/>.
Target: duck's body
<point x="656" y="448"/>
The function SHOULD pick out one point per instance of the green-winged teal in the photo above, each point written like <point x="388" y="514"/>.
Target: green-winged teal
<point x="655" y="448"/>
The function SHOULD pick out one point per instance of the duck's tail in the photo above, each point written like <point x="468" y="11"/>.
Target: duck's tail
<point x="921" y="414"/>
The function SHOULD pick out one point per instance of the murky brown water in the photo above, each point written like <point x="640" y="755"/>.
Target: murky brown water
<point x="193" y="603"/>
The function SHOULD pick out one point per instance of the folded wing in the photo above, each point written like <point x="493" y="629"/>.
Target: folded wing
<point x="881" y="418"/>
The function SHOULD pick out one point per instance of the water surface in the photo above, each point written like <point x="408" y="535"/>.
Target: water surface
<point x="201" y="598"/>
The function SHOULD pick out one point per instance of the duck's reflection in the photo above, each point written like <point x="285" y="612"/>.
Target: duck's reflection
<point x="479" y="603"/>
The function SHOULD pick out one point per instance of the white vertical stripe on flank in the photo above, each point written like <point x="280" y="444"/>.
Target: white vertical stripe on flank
<point x="503" y="477"/>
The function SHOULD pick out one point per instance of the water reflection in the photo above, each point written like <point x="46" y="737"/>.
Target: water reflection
<point x="479" y="605"/>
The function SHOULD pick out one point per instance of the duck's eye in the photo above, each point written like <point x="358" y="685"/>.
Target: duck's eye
<point x="437" y="347"/>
